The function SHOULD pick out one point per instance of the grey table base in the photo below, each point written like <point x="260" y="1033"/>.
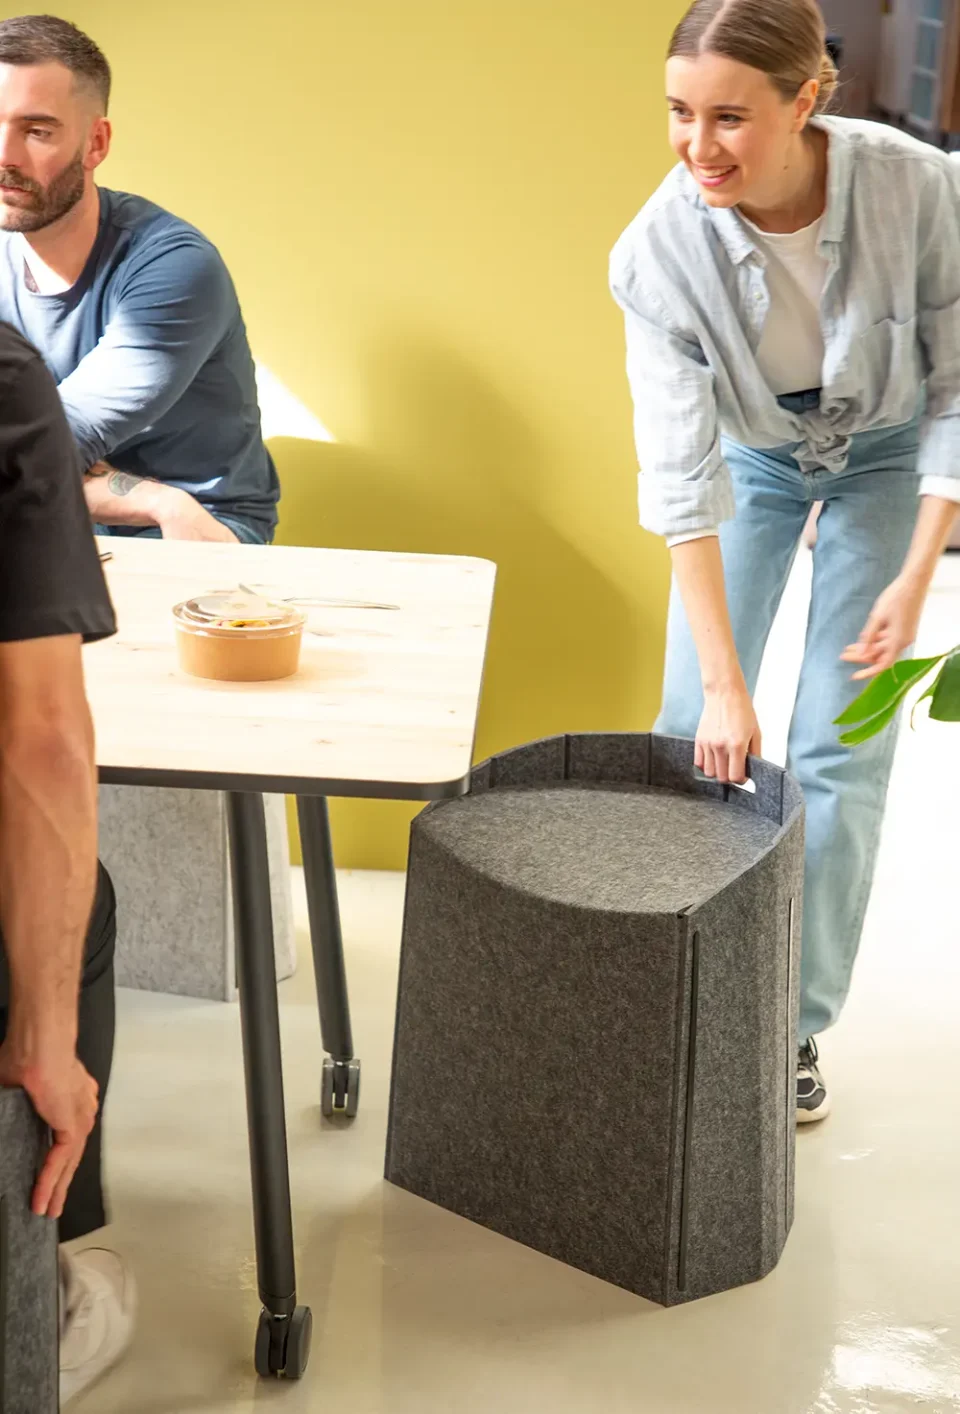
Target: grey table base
<point x="29" y="1288"/>
<point x="597" y="1011"/>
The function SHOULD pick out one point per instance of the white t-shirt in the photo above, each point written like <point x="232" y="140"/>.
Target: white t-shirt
<point x="791" y="348"/>
<point x="46" y="281"/>
<point x="791" y="351"/>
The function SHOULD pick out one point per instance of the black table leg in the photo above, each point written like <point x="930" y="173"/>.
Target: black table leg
<point x="283" y="1334"/>
<point x="340" y="1090"/>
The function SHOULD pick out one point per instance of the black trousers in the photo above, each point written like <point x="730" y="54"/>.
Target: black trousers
<point x="85" y="1209"/>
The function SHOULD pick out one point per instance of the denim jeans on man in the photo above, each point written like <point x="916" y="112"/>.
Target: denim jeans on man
<point x="246" y="531"/>
<point x="869" y="515"/>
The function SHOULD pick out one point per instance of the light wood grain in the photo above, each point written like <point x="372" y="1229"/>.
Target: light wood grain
<point x="385" y="702"/>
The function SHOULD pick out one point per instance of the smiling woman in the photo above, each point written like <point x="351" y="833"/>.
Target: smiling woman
<point x="734" y="120"/>
<point x="784" y="319"/>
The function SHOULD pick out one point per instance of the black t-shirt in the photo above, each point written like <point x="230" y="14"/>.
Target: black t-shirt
<point x="51" y="581"/>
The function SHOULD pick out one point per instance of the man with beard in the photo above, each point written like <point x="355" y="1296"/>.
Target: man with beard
<point x="136" y="317"/>
<point x="132" y="309"/>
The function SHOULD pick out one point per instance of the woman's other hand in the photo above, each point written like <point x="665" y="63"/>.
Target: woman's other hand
<point x="890" y="630"/>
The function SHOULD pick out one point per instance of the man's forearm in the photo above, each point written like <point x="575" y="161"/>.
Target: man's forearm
<point x="934" y="524"/>
<point x="48" y="853"/>
<point x="120" y="498"/>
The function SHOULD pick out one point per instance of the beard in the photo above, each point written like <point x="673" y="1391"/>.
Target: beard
<point x="45" y="204"/>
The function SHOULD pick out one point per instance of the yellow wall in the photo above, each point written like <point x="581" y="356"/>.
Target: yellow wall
<point x="416" y="199"/>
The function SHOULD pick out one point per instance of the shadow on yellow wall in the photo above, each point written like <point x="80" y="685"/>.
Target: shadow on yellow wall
<point x="417" y="202"/>
<point x="472" y="480"/>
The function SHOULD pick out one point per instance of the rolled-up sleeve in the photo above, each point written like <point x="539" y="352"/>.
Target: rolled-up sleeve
<point x="684" y="484"/>
<point x="938" y="291"/>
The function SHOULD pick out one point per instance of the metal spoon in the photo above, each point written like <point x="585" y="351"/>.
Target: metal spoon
<point x="314" y="603"/>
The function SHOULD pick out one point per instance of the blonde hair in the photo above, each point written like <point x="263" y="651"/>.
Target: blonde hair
<point x="785" y="39"/>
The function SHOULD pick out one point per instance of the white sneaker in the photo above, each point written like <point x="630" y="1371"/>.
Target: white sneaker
<point x="813" y="1101"/>
<point x="98" y="1309"/>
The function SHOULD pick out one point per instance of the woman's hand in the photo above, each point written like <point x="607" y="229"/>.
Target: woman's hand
<point x="728" y="728"/>
<point x="891" y="628"/>
<point x="729" y="732"/>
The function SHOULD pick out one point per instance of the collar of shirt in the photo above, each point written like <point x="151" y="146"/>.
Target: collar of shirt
<point x="46" y="281"/>
<point x="735" y="234"/>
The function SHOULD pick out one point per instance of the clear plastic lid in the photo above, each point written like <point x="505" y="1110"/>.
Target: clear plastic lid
<point x="236" y="611"/>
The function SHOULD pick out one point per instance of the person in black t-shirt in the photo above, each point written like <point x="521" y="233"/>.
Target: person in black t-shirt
<point x="57" y="909"/>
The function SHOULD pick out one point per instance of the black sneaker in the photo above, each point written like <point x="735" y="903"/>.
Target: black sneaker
<point x="813" y="1102"/>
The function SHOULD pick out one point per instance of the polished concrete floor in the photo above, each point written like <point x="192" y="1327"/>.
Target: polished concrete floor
<point x="418" y="1312"/>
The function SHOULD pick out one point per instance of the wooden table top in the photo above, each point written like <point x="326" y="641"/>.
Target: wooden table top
<point x="384" y="704"/>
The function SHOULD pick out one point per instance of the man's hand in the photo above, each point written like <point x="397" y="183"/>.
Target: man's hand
<point x="890" y="630"/>
<point x="65" y="1097"/>
<point x="121" y="498"/>
<point x="48" y="870"/>
<point x="181" y="517"/>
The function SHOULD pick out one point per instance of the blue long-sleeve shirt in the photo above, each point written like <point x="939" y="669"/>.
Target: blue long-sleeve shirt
<point x="151" y="356"/>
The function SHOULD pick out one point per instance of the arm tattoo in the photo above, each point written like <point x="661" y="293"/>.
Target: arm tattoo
<point x="121" y="483"/>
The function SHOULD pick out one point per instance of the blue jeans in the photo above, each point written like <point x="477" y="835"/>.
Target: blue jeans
<point x="868" y="519"/>
<point x="246" y="533"/>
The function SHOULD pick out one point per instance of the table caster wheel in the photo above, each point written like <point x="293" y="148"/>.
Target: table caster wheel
<point x="326" y="1087"/>
<point x="298" y="1343"/>
<point x="262" y="1348"/>
<point x="351" y="1095"/>
<point x="283" y="1344"/>
<point x="340" y="1088"/>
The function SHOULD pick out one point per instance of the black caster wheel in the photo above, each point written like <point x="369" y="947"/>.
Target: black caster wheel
<point x="298" y="1343"/>
<point x="340" y="1088"/>
<point x="283" y="1344"/>
<point x="262" y="1350"/>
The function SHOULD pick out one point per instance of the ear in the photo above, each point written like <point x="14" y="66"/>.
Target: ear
<point x="805" y="104"/>
<point x="98" y="143"/>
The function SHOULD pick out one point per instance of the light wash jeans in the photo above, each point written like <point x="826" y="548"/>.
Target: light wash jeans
<point x="866" y="526"/>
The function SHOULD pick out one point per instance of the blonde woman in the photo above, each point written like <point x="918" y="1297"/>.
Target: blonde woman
<point x="792" y="304"/>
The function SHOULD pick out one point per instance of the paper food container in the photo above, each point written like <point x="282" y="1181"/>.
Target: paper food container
<point x="233" y="636"/>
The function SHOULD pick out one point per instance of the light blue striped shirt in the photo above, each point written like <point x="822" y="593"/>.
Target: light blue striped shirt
<point x="691" y="282"/>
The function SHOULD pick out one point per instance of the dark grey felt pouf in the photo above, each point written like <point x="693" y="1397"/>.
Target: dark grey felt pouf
<point x="29" y="1288"/>
<point x="596" y="1029"/>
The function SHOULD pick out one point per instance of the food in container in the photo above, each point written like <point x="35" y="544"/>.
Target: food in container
<point x="232" y="636"/>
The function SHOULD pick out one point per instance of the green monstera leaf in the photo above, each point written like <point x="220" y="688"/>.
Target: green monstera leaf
<point x="879" y="703"/>
<point x="945" y="706"/>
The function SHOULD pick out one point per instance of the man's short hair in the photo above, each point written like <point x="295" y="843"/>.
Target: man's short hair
<point x="45" y="39"/>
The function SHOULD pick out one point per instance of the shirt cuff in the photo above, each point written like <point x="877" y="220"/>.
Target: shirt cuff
<point x="946" y="487"/>
<point x="672" y="505"/>
<point x="674" y="540"/>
